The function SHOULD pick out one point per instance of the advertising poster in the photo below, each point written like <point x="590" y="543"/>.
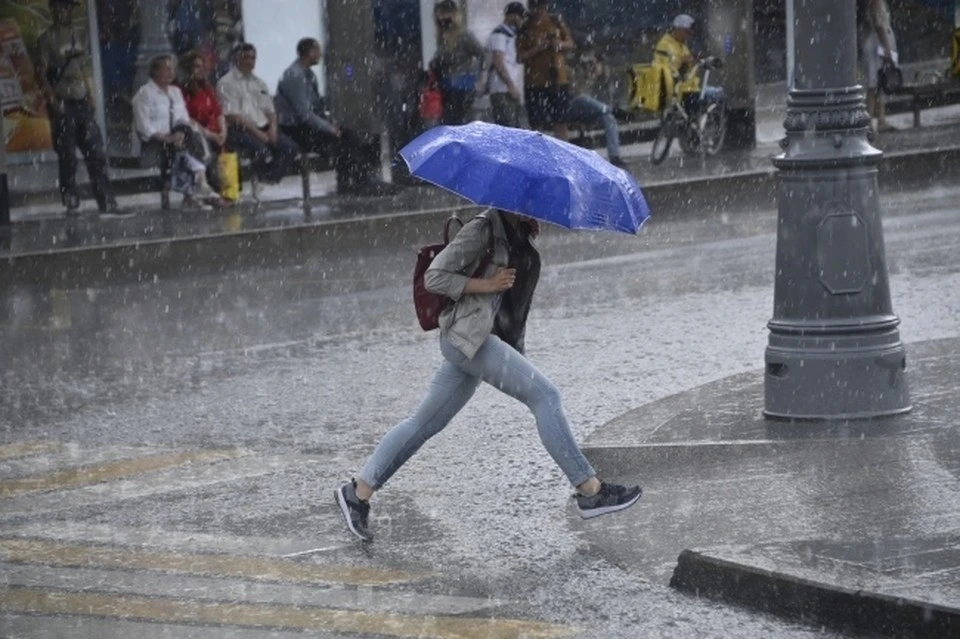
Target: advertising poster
<point x="25" y="123"/>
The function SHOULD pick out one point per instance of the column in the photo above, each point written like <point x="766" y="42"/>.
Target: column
<point x="834" y="349"/>
<point x="153" y="36"/>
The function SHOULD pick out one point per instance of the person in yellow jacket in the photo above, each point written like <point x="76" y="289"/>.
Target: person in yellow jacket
<point x="672" y="52"/>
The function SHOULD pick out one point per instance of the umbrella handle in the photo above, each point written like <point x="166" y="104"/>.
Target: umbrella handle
<point x="446" y="227"/>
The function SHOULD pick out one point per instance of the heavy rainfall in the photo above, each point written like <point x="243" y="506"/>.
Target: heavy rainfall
<point x="705" y="261"/>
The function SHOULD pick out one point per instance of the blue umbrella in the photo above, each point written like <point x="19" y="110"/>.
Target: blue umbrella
<point x="528" y="173"/>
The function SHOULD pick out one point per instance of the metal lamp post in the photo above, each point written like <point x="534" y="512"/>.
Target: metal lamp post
<point x="834" y="349"/>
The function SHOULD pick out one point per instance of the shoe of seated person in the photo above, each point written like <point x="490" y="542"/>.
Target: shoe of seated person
<point x="207" y="195"/>
<point x="191" y="202"/>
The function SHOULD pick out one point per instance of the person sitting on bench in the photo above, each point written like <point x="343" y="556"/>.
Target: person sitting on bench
<point x="161" y="119"/>
<point x="252" y="125"/>
<point x="304" y="118"/>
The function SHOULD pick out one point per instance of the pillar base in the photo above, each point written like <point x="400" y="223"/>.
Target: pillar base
<point x="823" y="374"/>
<point x="741" y="129"/>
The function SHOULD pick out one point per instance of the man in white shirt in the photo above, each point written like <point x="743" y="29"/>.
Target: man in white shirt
<point x="252" y="119"/>
<point x="506" y="75"/>
<point x="161" y="119"/>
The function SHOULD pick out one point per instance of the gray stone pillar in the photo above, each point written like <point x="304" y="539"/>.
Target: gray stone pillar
<point x="153" y="36"/>
<point x="834" y="349"/>
<point x="352" y="65"/>
<point x="729" y="30"/>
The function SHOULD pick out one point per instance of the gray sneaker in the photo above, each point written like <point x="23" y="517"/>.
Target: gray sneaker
<point x="355" y="511"/>
<point x="611" y="498"/>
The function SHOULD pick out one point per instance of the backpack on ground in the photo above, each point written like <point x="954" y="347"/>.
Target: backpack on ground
<point x="430" y="306"/>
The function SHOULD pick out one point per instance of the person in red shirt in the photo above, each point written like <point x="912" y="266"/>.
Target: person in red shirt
<point x="204" y="108"/>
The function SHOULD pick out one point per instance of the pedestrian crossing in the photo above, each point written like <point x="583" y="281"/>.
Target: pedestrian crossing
<point x="79" y="579"/>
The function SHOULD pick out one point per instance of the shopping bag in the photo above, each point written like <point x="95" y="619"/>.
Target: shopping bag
<point x="229" y="167"/>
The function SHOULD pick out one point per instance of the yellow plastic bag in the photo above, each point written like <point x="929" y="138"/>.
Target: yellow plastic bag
<point x="648" y="89"/>
<point x="229" y="166"/>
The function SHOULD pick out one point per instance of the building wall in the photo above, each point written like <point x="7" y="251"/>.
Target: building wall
<point x="275" y="27"/>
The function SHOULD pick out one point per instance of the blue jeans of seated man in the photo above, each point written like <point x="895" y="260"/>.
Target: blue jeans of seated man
<point x="587" y="109"/>
<point x="454" y="384"/>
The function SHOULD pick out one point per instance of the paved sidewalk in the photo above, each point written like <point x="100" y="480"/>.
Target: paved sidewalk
<point x="42" y="246"/>
<point x="855" y="525"/>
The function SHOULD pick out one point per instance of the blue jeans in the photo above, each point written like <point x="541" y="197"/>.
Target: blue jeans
<point x="587" y="109"/>
<point x="454" y="384"/>
<point x="270" y="162"/>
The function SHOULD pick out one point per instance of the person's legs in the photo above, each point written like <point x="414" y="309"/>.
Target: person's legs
<point x="612" y="131"/>
<point x="559" y="104"/>
<point x="90" y="141"/>
<point x="456" y="106"/>
<point x="505" y="369"/>
<point x="587" y="109"/>
<point x="537" y="101"/>
<point x="505" y="110"/>
<point x="285" y="153"/>
<point x="251" y="148"/>
<point x="449" y="391"/>
<point x="213" y="173"/>
<point x="63" y="127"/>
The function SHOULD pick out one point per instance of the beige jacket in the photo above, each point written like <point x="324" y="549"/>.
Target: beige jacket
<point x="467" y="323"/>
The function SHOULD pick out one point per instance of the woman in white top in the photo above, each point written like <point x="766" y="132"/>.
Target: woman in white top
<point x="879" y="44"/>
<point x="161" y="118"/>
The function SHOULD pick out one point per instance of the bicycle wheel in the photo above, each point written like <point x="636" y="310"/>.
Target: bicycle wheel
<point x="690" y="139"/>
<point x="663" y="142"/>
<point x="714" y="129"/>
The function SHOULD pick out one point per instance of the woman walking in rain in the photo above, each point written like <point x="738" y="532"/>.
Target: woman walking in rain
<point x="481" y="340"/>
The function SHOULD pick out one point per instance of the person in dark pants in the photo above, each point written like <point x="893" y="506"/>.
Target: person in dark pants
<point x="64" y="73"/>
<point x="542" y="46"/>
<point x="457" y="63"/>
<point x="304" y="118"/>
<point x="253" y="129"/>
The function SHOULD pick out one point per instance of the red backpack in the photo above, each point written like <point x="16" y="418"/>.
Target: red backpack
<point x="431" y="99"/>
<point x="430" y="306"/>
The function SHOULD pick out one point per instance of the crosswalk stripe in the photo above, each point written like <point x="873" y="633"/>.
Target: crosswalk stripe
<point x="157" y="538"/>
<point x="83" y="476"/>
<point x="216" y="588"/>
<point x="162" y="610"/>
<point x="189" y="477"/>
<point x="23" y="449"/>
<point x="70" y="455"/>
<point x="45" y="553"/>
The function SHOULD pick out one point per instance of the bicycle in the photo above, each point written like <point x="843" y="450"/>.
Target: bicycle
<point x="702" y="132"/>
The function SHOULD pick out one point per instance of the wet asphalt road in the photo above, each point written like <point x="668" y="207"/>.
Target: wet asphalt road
<point x="216" y="414"/>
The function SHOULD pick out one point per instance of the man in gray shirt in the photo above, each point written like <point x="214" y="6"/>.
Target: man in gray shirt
<point x="303" y="116"/>
<point x="64" y="74"/>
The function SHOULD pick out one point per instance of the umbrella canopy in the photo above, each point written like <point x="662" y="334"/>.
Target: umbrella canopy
<point x="528" y="173"/>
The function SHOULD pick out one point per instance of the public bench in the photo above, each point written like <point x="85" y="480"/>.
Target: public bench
<point x="928" y="91"/>
<point x="159" y="178"/>
<point x="634" y="129"/>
